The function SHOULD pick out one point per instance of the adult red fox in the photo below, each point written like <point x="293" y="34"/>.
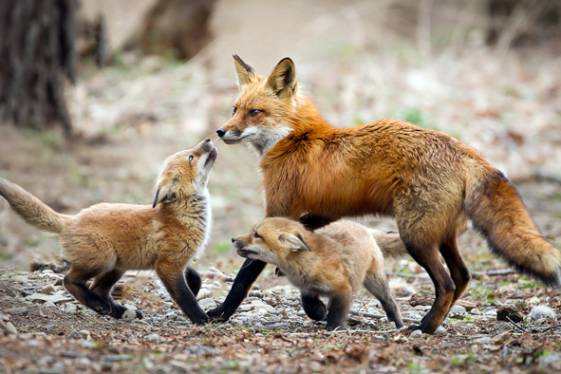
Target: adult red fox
<point x="334" y="261"/>
<point x="105" y="240"/>
<point x="430" y="182"/>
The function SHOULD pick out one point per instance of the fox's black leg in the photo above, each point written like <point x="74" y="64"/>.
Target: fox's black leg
<point x="313" y="222"/>
<point x="193" y="280"/>
<point x="181" y="293"/>
<point x="248" y="273"/>
<point x="102" y="287"/>
<point x="75" y="283"/>
<point x="458" y="270"/>
<point x="338" y="311"/>
<point x="314" y="307"/>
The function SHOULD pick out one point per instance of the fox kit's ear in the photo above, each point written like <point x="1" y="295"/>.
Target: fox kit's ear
<point x="294" y="242"/>
<point x="244" y="71"/>
<point x="165" y="193"/>
<point x="283" y="78"/>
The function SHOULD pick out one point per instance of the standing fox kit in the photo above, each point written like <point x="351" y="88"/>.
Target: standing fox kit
<point x="335" y="261"/>
<point x="105" y="240"/>
<point x="430" y="182"/>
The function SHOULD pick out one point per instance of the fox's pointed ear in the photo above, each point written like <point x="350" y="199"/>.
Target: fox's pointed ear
<point x="294" y="242"/>
<point x="283" y="78"/>
<point x="244" y="71"/>
<point x="165" y="193"/>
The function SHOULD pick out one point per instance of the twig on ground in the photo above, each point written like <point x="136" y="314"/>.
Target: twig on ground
<point x="518" y="327"/>
<point x="493" y="273"/>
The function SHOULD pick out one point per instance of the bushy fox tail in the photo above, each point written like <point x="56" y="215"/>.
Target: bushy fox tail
<point x="497" y="211"/>
<point x="31" y="209"/>
<point x="390" y="243"/>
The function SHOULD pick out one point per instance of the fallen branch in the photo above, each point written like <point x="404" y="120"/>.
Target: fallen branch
<point x="493" y="273"/>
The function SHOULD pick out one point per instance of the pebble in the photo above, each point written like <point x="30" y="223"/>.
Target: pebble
<point x="10" y="328"/>
<point x="441" y="330"/>
<point x="21" y="279"/>
<point x="483" y="340"/>
<point x="416" y="333"/>
<point x="550" y="359"/>
<point x="48" y="289"/>
<point x="207" y="304"/>
<point x="400" y="288"/>
<point x="129" y="314"/>
<point x="458" y="311"/>
<point x="152" y="338"/>
<point x="542" y="312"/>
<point x="70" y="308"/>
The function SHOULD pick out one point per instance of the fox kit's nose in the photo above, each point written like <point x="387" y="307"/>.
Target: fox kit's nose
<point x="207" y="145"/>
<point x="220" y="132"/>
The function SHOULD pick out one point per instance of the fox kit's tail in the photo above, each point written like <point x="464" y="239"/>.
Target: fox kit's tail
<point x="390" y="243"/>
<point x="31" y="209"/>
<point x="498" y="212"/>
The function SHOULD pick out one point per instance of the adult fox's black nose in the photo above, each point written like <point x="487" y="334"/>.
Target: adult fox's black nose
<point x="220" y="132"/>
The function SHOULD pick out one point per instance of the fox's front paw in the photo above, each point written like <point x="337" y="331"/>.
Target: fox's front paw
<point x="202" y="320"/>
<point x="216" y="314"/>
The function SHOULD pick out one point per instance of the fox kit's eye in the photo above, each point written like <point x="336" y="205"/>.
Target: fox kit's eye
<point x="190" y="159"/>
<point x="256" y="235"/>
<point x="254" y="112"/>
<point x="234" y="110"/>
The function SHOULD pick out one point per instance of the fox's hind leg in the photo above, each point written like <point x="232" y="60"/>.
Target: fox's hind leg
<point x="75" y="283"/>
<point x="377" y="284"/>
<point x="313" y="306"/>
<point x="102" y="287"/>
<point x="193" y="280"/>
<point x="458" y="269"/>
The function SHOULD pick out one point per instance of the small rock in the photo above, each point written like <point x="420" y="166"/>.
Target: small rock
<point x="483" y="340"/>
<point x="9" y="328"/>
<point x="88" y="344"/>
<point x="400" y="288"/>
<point x="48" y="289"/>
<point x="33" y="343"/>
<point x="49" y="305"/>
<point x="458" y="311"/>
<point x="207" y="304"/>
<point x="315" y="366"/>
<point x="85" y="333"/>
<point x="129" y="314"/>
<point x="70" y="308"/>
<point x="21" y="278"/>
<point x="152" y="338"/>
<point x="441" y="330"/>
<point x="204" y="294"/>
<point x="542" y="312"/>
<point x="416" y="333"/>
<point x="550" y="359"/>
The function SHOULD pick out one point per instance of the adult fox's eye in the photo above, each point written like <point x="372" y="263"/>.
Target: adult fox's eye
<point x="256" y="235"/>
<point x="234" y="110"/>
<point x="254" y="112"/>
<point x="190" y="159"/>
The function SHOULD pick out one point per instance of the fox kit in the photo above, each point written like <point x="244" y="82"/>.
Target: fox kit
<point x="105" y="240"/>
<point x="430" y="182"/>
<point x="333" y="261"/>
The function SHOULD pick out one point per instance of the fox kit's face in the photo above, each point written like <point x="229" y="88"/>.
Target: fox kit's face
<point x="276" y="241"/>
<point x="186" y="173"/>
<point x="260" y="111"/>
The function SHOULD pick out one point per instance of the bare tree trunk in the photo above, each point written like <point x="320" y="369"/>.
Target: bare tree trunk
<point x="37" y="48"/>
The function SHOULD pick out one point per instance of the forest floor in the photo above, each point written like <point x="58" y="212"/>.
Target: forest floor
<point x="135" y="113"/>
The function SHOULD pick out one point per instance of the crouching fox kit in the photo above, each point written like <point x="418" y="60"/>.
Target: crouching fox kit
<point x="430" y="182"/>
<point x="335" y="261"/>
<point x="105" y="240"/>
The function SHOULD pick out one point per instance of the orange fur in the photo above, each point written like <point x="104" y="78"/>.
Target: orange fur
<point x="334" y="261"/>
<point x="430" y="182"/>
<point x="105" y="240"/>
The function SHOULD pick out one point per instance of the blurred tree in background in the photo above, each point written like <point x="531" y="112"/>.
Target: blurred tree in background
<point x="37" y="41"/>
